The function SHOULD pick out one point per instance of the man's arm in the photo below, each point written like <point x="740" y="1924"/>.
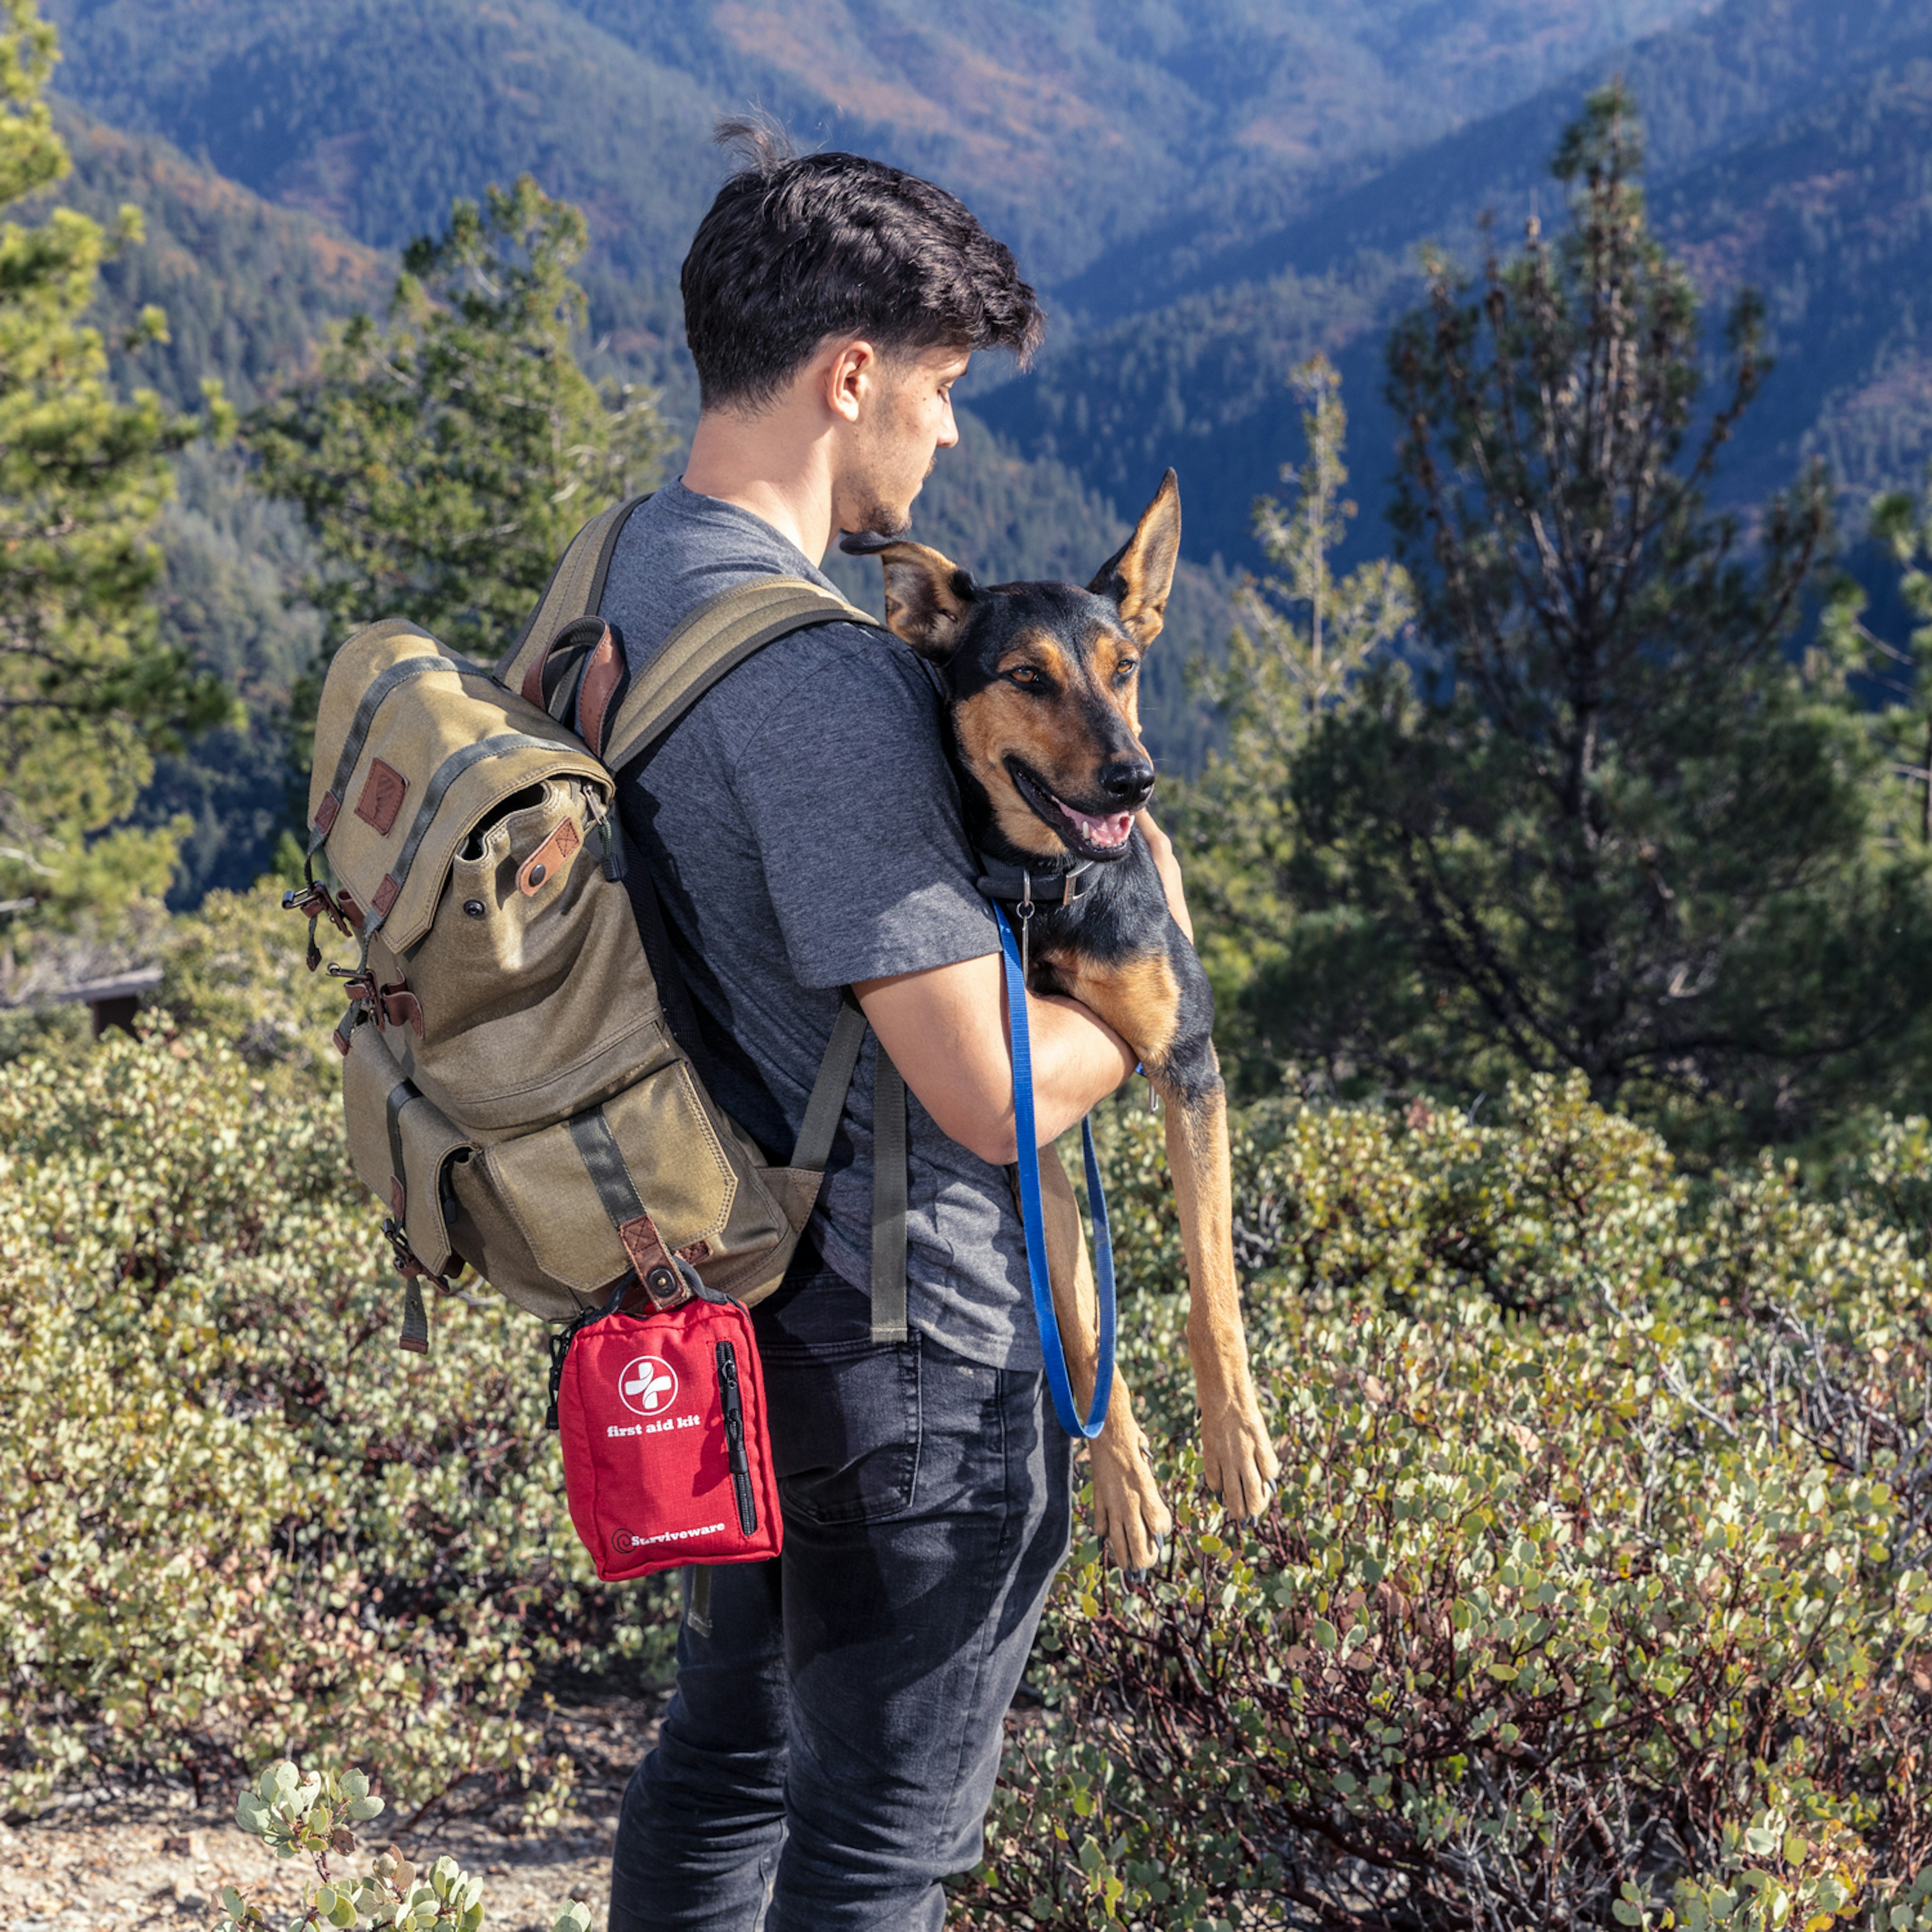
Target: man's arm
<point x="946" y="1030"/>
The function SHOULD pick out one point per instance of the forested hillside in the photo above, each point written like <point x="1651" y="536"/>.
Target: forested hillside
<point x="246" y="285"/>
<point x="375" y="114"/>
<point x="1788" y="142"/>
<point x="1207" y="199"/>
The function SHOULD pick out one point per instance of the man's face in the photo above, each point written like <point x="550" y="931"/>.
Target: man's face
<point x="907" y="420"/>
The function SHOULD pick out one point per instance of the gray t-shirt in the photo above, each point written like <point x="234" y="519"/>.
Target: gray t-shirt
<point x="803" y="827"/>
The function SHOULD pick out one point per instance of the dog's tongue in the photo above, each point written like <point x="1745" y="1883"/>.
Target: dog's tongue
<point x="1111" y="830"/>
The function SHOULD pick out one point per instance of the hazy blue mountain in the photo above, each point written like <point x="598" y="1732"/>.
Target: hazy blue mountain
<point x="1716" y="79"/>
<point x="1789" y="142"/>
<point x="1828" y="212"/>
<point x="1091" y="135"/>
<point x="1072" y="125"/>
<point x="1068" y="123"/>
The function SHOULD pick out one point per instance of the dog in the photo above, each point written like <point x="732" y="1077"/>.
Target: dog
<point x="1042" y="683"/>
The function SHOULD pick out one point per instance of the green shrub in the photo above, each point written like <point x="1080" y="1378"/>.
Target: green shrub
<point x="236" y="1524"/>
<point x="1596" y="1592"/>
<point x="1616" y="1613"/>
<point x="312" y="1816"/>
<point x="233" y="968"/>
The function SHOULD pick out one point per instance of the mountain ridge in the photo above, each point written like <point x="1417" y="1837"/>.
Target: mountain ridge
<point x="1808" y="188"/>
<point x="1786" y="138"/>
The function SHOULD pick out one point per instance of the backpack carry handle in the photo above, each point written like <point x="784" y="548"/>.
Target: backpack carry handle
<point x="575" y="590"/>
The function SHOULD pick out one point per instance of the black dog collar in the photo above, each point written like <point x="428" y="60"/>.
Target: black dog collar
<point x="1016" y="885"/>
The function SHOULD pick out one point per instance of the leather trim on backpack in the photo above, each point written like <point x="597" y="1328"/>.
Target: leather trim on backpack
<point x="603" y="676"/>
<point x="382" y="794"/>
<point x="575" y="590"/>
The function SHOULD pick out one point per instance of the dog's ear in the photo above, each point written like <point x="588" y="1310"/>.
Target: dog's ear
<point x="928" y="596"/>
<point x="1140" y="573"/>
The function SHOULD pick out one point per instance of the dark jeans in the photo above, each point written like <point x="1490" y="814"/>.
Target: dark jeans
<point x="832" y="1747"/>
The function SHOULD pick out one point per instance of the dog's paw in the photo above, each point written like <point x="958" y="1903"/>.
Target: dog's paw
<point x="1129" y="1515"/>
<point x="1238" y="1463"/>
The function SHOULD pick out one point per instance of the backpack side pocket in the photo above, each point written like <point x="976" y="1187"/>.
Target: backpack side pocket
<point x="401" y="1145"/>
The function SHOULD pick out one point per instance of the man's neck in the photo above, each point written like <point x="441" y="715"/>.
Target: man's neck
<point x="768" y="464"/>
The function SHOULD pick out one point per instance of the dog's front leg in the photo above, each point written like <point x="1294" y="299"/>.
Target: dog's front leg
<point x="1129" y="1515"/>
<point x="1237" y="1460"/>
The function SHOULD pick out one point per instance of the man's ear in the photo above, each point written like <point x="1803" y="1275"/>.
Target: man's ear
<point x="1140" y="573"/>
<point x="928" y="596"/>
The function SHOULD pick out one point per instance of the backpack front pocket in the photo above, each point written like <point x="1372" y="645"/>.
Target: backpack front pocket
<point x="563" y="1213"/>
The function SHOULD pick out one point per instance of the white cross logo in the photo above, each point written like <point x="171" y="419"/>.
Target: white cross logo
<point x="648" y="1385"/>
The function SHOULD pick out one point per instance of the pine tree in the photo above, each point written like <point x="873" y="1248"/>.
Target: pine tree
<point x="1615" y="829"/>
<point x="87" y="693"/>
<point x="1898" y="676"/>
<point x="445" y="457"/>
<point x="1304" y="639"/>
<point x="1304" y="635"/>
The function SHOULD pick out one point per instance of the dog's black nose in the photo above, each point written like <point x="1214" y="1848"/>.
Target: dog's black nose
<point x="1128" y="781"/>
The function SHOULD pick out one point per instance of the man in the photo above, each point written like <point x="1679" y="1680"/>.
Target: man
<point x="830" y="1751"/>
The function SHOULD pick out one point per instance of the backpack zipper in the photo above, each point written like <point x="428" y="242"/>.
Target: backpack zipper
<point x="734" y="1438"/>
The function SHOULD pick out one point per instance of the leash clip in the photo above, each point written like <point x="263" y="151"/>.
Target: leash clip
<point x="1025" y="909"/>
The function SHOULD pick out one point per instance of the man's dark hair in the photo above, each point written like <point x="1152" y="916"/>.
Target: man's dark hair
<point x="797" y="248"/>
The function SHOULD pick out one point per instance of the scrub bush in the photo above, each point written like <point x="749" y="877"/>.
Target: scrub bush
<point x="234" y="969"/>
<point x="236" y="1524"/>
<point x="312" y="1816"/>
<point x="1596" y="1592"/>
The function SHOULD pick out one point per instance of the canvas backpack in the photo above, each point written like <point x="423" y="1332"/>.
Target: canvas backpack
<point x="521" y="1078"/>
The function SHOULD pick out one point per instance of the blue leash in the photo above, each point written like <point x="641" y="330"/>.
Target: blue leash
<point x="1051" y="1346"/>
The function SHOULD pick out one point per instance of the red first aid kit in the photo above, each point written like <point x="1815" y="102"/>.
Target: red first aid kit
<point x="667" y="1456"/>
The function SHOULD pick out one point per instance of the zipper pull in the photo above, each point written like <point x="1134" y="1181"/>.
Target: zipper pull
<point x="611" y="834"/>
<point x="560" y="1343"/>
<point x="559" y="1347"/>
<point x="734" y="1438"/>
<point x="561" y="1338"/>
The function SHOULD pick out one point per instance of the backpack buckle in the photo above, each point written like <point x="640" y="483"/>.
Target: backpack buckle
<point x="314" y="901"/>
<point x="390" y="1006"/>
<point x="407" y="1265"/>
<point x="358" y="982"/>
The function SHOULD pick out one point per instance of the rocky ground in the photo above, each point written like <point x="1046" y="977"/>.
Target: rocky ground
<point x="155" y="1860"/>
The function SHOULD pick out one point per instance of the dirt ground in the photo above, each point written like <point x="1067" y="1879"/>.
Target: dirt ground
<point x="155" y="1860"/>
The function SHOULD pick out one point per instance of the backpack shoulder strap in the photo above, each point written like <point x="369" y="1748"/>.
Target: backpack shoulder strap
<point x="575" y="590"/>
<point x="822" y="1113"/>
<point x="716" y="637"/>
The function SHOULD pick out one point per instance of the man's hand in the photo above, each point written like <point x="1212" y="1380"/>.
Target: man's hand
<point x="945" y="1029"/>
<point x="1162" y="848"/>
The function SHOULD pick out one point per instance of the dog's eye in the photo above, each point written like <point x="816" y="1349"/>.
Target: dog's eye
<point x="1025" y="674"/>
<point x="1125" y="669"/>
